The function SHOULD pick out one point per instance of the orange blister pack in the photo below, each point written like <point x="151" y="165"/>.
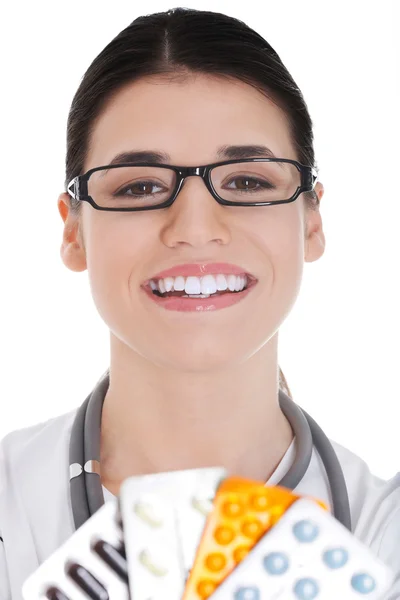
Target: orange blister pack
<point x="243" y="511"/>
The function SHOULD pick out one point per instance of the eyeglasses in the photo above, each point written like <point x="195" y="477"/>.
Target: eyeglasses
<point x="150" y="186"/>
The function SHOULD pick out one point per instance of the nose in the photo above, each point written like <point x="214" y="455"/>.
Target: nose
<point x="195" y="218"/>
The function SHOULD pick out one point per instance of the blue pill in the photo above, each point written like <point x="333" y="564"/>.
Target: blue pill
<point x="305" y="531"/>
<point x="276" y="563"/>
<point x="247" y="593"/>
<point x="363" y="583"/>
<point x="335" y="558"/>
<point x="306" y="589"/>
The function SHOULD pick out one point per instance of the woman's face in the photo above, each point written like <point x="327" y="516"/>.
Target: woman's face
<point x="189" y="121"/>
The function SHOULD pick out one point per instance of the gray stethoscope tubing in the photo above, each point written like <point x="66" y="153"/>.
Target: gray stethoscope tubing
<point x="85" y="486"/>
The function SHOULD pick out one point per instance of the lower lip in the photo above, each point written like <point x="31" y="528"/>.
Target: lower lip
<point x="199" y="304"/>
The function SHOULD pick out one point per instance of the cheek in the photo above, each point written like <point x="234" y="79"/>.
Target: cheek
<point x="277" y="234"/>
<point x="287" y="259"/>
<point x="116" y="255"/>
<point x="278" y="238"/>
<point x="115" y="243"/>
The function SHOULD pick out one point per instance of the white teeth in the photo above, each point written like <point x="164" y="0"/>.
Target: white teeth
<point x="192" y="285"/>
<point x="179" y="283"/>
<point x="231" y="283"/>
<point x="239" y="283"/>
<point x="196" y="296"/>
<point x="169" y="283"/>
<point x="197" y="286"/>
<point x="208" y="285"/>
<point x="221" y="283"/>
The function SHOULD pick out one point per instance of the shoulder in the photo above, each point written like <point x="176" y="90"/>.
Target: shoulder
<point x="34" y="472"/>
<point x="369" y="494"/>
<point x="34" y="442"/>
<point x="34" y="507"/>
<point x="375" y="506"/>
<point x="31" y="455"/>
<point x="373" y="499"/>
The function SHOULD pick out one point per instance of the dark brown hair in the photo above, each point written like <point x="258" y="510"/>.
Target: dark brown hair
<point x="175" y="44"/>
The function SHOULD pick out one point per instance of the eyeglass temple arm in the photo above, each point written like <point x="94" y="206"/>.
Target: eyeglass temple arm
<point x="77" y="187"/>
<point x="71" y="189"/>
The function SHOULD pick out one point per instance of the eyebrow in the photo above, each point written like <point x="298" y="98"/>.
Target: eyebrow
<point x="223" y="152"/>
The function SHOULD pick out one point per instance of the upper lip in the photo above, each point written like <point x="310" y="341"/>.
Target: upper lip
<point x="201" y="269"/>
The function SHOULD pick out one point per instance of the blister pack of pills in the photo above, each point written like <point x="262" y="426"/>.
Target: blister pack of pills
<point x="307" y="555"/>
<point x="163" y="520"/>
<point x="90" y="564"/>
<point x="192" y="535"/>
<point x="164" y="527"/>
<point x="244" y="510"/>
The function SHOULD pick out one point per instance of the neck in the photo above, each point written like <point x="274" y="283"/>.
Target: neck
<point x="155" y="419"/>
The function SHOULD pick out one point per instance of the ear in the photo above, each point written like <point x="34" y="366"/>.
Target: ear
<point x="314" y="243"/>
<point x="72" y="250"/>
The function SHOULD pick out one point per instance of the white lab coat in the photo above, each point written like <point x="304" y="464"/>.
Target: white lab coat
<point x="36" y="516"/>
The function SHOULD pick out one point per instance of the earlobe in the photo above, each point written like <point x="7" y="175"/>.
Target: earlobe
<point x="315" y="237"/>
<point x="315" y="245"/>
<point x="72" y="250"/>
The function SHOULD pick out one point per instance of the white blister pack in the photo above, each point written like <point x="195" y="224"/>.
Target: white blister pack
<point x="90" y="564"/>
<point x="163" y="518"/>
<point x="307" y="555"/>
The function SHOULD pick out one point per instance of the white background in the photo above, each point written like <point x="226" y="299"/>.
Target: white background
<point x="339" y="348"/>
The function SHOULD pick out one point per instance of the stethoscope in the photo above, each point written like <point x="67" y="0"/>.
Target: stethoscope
<point x="84" y="456"/>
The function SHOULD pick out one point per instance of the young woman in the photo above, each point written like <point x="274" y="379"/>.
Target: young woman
<point x="193" y="270"/>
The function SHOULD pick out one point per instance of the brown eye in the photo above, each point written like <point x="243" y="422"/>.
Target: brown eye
<point x="141" y="188"/>
<point x="249" y="184"/>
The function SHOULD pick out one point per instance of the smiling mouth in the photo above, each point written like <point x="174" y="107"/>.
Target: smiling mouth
<point x="234" y="287"/>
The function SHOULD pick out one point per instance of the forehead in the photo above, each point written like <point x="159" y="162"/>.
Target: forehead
<point x="189" y="119"/>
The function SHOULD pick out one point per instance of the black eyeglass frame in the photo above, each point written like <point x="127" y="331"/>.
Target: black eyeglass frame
<point x="78" y="186"/>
